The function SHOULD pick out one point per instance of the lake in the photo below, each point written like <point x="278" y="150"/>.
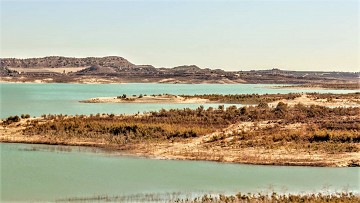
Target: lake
<point x="38" y="99"/>
<point x="48" y="173"/>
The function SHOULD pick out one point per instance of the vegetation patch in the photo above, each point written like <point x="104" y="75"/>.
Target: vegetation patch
<point x="239" y="197"/>
<point x="331" y="130"/>
<point x="244" y="98"/>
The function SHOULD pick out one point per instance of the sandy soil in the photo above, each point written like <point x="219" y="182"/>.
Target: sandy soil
<point x="313" y="87"/>
<point x="197" y="148"/>
<point x="91" y="80"/>
<point x="82" y="80"/>
<point x="295" y="87"/>
<point x="306" y="100"/>
<point x="55" y="70"/>
<point x="94" y="79"/>
<point x="147" y="99"/>
<point x="13" y="134"/>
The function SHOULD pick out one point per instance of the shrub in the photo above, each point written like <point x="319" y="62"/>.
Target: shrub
<point x="12" y="119"/>
<point x="263" y="105"/>
<point x="25" y="116"/>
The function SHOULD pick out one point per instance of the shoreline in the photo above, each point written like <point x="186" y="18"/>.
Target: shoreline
<point x="193" y="149"/>
<point x="135" y="154"/>
<point x="306" y="86"/>
<point x="167" y="98"/>
<point x="273" y="133"/>
<point x="299" y="87"/>
<point x="314" y="87"/>
<point x="305" y="99"/>
<point x="45" y="82"/>
<point x="145" y="81"/>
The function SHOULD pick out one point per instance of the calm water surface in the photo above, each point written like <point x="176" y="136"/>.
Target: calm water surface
<point x="38" y="99"/>
<point x="48" y="173"/>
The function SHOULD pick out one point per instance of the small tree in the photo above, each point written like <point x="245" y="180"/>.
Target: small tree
<point x="221" y="107"/>
<point x="281" y="109"/>
<point x="25" y="116"/>
<point x="12" y="119"/>
<point x="122" y="96"/>
<point x="243" y="110"/>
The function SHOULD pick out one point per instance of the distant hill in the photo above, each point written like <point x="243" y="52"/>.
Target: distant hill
<point x="61" y="62"/>
<point x="118" y="69"/>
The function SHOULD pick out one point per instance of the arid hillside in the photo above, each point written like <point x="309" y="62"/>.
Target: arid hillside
<point x="60" y="62"/>
<point x="115" y="69"/>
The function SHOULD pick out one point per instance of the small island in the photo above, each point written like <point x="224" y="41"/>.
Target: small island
<point x="328" y="100"/>
<point x="160" y="98"/>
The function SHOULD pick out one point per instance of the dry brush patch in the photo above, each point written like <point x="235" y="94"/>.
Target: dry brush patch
<point x="229" y="134"/>
<point x="244" y="98"/>
<point x="321" y="125"/>
<point x="208" y="198"/>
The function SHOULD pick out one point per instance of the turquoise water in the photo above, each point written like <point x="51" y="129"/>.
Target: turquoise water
<point x="38" y="99"/>
<point x="47" y="173"/>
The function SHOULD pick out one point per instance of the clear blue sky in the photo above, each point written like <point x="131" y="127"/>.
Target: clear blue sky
<point x="232" y="35"/>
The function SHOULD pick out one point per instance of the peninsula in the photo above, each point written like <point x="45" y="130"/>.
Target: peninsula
<point x="291" y="99"/>
<point x="287" y="133"/>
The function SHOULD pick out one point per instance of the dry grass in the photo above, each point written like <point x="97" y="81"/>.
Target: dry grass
<point x="284" y="135"/>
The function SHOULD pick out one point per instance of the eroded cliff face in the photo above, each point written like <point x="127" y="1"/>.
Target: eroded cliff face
<point x="60" y="61"/>
<point x="117" y="69"/>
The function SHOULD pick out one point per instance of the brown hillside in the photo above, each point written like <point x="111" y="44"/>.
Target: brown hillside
<point x="60" y="61"/>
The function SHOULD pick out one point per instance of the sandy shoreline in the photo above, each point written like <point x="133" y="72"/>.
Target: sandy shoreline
<point x="198" y="148"/>
<point x="167" y="98"/>
<point x="295" y="87"/>
<point x="94" y="80"/>
<point x="253" y="156"/>
<point x="307" y="101"/>
<point x="304" y="99"/>
<point x="50" y="81"/>
<point x="300" y="87"/>
<point x="194" y="148"/>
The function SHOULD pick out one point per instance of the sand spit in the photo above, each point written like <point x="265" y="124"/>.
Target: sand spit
<point x="304" y="99"/>
<point x="165" y="98"/>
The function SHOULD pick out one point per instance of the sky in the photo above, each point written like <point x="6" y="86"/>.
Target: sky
<point x="231" y="35"/>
